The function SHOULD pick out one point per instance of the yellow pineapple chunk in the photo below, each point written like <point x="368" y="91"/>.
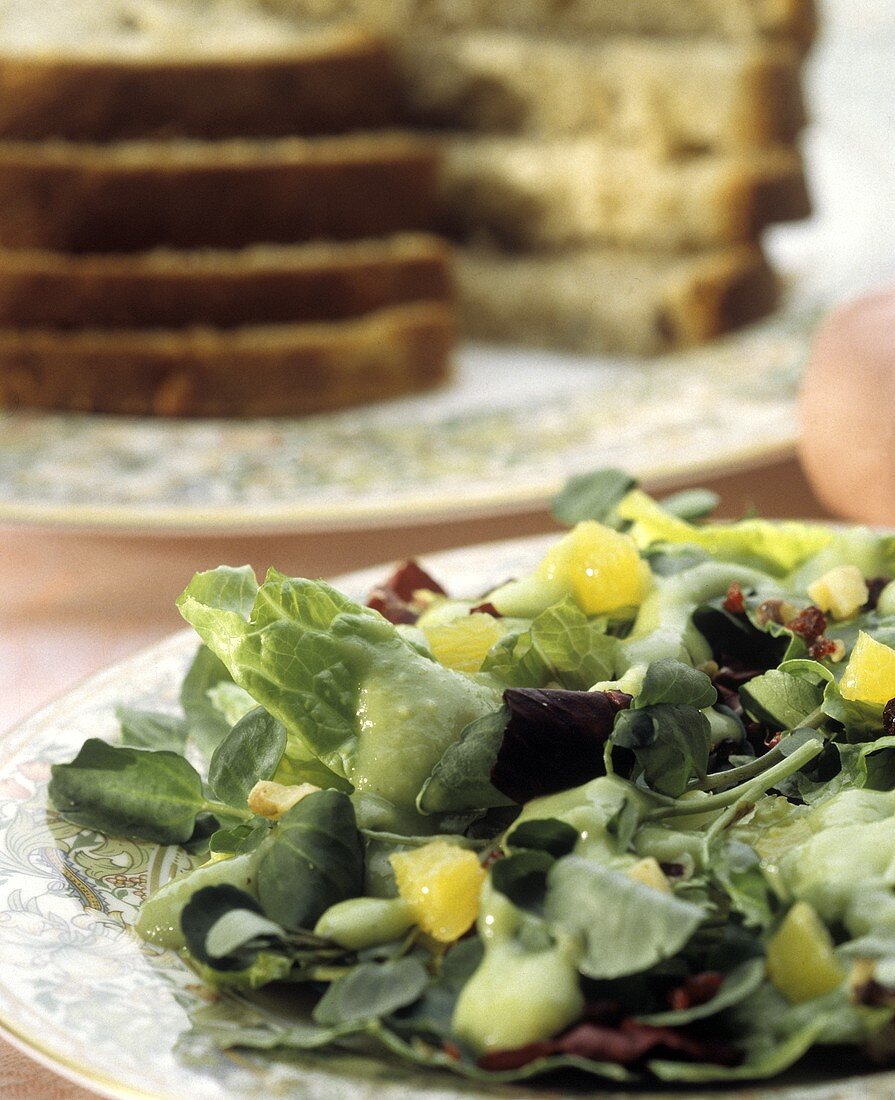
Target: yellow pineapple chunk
<point x="463" y="643"/>
<point x="441" y="884"/>
<point x="648" y="872"/>
<point x="869" y="675"/>
<point x="842" y="591"/>
<point x="600" y="567"/>
<point x="801" y="962"/>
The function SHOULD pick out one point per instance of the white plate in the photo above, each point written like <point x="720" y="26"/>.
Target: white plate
<point x="79" y="991"/>
<point x="515" y="423"/>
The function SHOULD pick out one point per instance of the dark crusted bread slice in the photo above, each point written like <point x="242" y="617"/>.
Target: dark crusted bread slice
<point x="132" y="196"/>
<point x="324" y="81"/>
<point x="265" y="284"/>
<point x="524" y="192"/>
<point x="610" y="300"/>
<point x="674" y="95"/>
<point x="286" y="370"/>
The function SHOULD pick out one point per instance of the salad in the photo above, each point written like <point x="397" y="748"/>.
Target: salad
<point x="631" y="815"/>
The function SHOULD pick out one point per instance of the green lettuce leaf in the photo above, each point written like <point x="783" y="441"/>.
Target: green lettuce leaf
<point x="776" y="547"/>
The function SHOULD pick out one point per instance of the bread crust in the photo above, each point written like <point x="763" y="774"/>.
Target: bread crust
<point x="262" y="285"/>
<point x="336" y="82"/>
<point x="259" y="371"/>
<point x="133" y="196"/>
<point x="612" y="301"/>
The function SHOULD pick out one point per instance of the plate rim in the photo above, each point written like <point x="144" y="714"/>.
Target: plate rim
<point x="367" y="513"/>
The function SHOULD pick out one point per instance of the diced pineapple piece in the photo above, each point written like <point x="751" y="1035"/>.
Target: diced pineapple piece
<point x="463" y="643"/>
<point x="599" y="566"/>
<point x="648" y="872"/>
<point x="842" y="591"/>
<point x="800" y="960"/>
<point x="272" y="800"/>
<point x="441" y="883"/>
<point x="869" y="675"/>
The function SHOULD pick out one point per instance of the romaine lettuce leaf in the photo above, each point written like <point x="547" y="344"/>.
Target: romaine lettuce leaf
<point x="350" y="690"/>
<point x="775" y="547"/>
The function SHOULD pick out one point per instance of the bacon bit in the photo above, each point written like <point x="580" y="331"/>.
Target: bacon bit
<point x="770" y="611"/>
<point x="626" y="1045"/>
<point x="772" y="741"/>
<point x="809" y="624"/>
<point x="735" y="604"/>
<point x="492" y="857"/>
<point x="889" y="718"/>
<point x="395" y="599"/>
<point x="451" y="1050"/>
<point x="696" y="990"/>
<point x="875" y="586"/>
<point x="486" y="609"/>
<point x="821" y="649"/>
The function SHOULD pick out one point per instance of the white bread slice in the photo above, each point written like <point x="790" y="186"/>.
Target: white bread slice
<point x="260" y="285"/>
<point x="612" y="301"/>
<point x="792" y="19"/>
<point x="673" y="95"/>
<point x="132" y="196"/>
<point x="524" y="192"/>
<point x="283" y="370"/>
<point x="318" y="81"/>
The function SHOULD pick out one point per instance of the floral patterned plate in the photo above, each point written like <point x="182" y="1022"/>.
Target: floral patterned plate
<point x="82" y="994"/>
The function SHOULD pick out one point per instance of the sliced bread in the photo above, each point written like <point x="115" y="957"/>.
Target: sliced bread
<point x="283" y="370"/>
<point x="260" y="285"/>
<point x="188" y="194"/>
<point x="325" y="81"/>
<point x="701" y="94"/>
<point x="612" y="301"/>
<point x="523" y="192"/>
<point x="792" y="19"/>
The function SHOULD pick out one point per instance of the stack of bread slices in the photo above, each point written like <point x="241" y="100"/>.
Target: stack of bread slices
<point x="609" y="165"/>
<point x="210" y="210"/>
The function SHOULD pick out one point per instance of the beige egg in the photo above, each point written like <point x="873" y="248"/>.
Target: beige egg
<point x="847" y="410"/>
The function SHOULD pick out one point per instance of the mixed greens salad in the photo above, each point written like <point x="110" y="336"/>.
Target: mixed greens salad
<point x="631" y="815"/>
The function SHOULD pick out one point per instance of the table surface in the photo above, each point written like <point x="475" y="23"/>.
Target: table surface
<point x="73" y="603"/>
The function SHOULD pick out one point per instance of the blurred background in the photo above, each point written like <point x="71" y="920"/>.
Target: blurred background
<point x="321" y="284"/>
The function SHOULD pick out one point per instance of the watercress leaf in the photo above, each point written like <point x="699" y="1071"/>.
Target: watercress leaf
<point x="204" y="912"/>
<point x="553" y="741"/>
<point x="230" y="1022"/>
<point x="239" y="839"/>
<point x="152" y="796"/>
<point x="739" y="984"/>
<point x="461" y="780"/>
<point x="370" y="991"/>
<point x="523" y="878"/>
<point x="670" y="743"/>
<point x="547" y="834"/>
<point x="626" y="927"/>
<point x="591" y="496"/>
<point x="669" y="561"/>
<point x="691" y="504"/>
<point x="670" y="681"/>
<point x="782" y="700"/>
<point x="314" y="858"/>
<point x="433" y="1013"/>
<point x="207" y="726"/>
<point x="737" y="868"/>
<point x="251" y="751"/>
<point x="147" y="729"/>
